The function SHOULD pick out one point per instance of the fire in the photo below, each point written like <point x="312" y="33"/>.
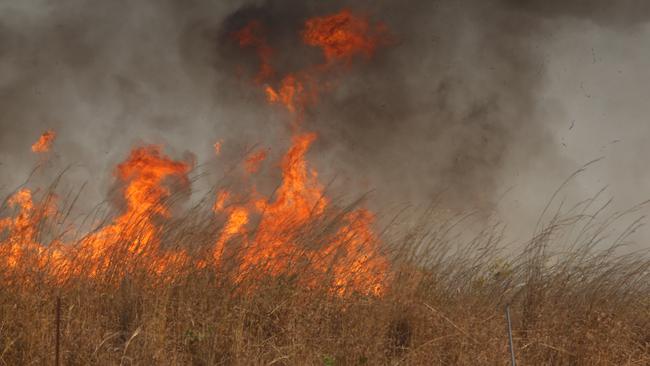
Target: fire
<point x="144" y="171"/>
<point x="300" y="199"/>
<point x="263" y="235"/>
<point x="220" y="203"/>
<point x="343" y="35"/>
<point x="363" y="267"/>
<point x="217" y="147"/>
<point x="237" y="221"/>
<point x="254" y="161"/>
<point x="252" y="36"/>
<point x="22" y="228"/>
<point x="144" y="175"/>
<point x="44" y="143"/>
<point x="349" y="258"/>
<point x="290" y="94"/>
<point x="21" y="244"/>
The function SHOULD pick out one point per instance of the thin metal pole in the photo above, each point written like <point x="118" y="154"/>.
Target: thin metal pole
<point x="58" y="331"/>
<point x="512" y="346"/>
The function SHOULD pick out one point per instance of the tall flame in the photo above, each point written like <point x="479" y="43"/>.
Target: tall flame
<point x="300" y="198"/>
<point x="21" y="244"/>
<point x="144" y="175"/>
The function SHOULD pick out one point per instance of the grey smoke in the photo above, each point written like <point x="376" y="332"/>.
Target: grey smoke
<point x="624" y="13"/>
<point x="456" y="104"/>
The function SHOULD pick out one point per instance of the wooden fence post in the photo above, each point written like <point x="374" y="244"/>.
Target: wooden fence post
<point x="58" y="331"/>
<point x="513" y="362"/>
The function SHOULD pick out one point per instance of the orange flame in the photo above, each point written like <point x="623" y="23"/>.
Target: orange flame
<point x="347" y="256"/>
<point x="217" y="147"/>
<point x="291" y="92"/>
<point x="144" y="174"/>
<point x="343" y="35"/>
<point x="254" y="161"/>
<point x="22" y="242"/>
<point x="300" y="199"/>
<point x="294" y="93"/>
<point x="350" y="256"/>
<point x="236" y="223"/>
<point x="44" y="143"/>
<point x="251" y="36"/>
<point x="364" y="268"/>
<point x="220" y="203"/>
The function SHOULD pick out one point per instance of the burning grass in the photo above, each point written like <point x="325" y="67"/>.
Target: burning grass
<point x="294" y="277"/>
<point x="442" y="299"/>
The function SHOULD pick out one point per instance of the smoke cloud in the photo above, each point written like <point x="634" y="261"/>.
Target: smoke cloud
<point x="453" y="104"/>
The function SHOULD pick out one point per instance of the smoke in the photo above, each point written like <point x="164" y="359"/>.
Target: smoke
<point x="453" y="104"/>
<point x="624" y="13"/>
<point x="446" y="107"/>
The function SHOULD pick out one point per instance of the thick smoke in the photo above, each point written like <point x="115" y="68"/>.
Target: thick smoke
<point x="608" y="13"/>
<point x="451" y="105"/>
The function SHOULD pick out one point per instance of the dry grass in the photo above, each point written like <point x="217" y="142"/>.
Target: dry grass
<point x="445" y="304"/>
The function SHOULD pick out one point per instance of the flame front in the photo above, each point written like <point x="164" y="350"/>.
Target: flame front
<point x="264" y="235"/>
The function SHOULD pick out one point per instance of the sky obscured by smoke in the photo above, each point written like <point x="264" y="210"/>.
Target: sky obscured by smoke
<point x="480" y="100"/>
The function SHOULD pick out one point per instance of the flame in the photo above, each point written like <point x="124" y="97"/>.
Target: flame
<point x="144" y="174"/>
<point x="290" y="94"/>
<point x="44" y="143"/>
<point x="252" y="36"/>
<point x="217" y="147"/>
<point x="21" y="243"/>
<point x="22" y="228"/>
<point x="236" y="224"/>
<point x="343" y="35"/>
<point x="363" y="266"/>
<point x="345" y="258"/>
<point x="300" y="199"/>
<point x="254" y="161"/>
<point x="220" y="203"/>
<point x="350" y="256"/>
<point x="144" y="171"/>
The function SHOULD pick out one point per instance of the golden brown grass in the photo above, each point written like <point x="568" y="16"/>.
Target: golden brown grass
<point x="571" y="304"/>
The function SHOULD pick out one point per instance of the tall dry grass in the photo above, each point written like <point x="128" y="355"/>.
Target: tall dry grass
<point x="572" y="302"/>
